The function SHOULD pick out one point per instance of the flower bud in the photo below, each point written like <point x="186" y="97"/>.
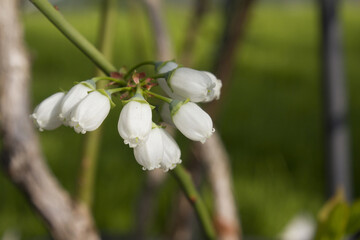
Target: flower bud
<point x="172" y="151"/>
<point x="166" y="115"/>
<point x="135" y="121"/>
<point x="191" y="120"/>
<point x="167" y="67"/>
<point x="46" y="114"/>
<point x="149" y="153"/>
<point x="190" y="83"/>
<point x="73" y="97"/>
<point x="90" y="112"/>
<point x="216" y="90"/>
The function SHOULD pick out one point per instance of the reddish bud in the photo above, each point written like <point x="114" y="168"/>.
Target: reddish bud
<point x="116" y="75"/>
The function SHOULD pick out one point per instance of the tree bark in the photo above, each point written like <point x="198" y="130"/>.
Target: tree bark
<point x="337" y="140"/>
<point x="162" y="39"/>
<point x="199" y="10"/>
<point x="236" y="12"/>
<point x="21" y="156"/>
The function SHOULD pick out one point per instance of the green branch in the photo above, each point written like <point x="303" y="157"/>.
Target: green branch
<point x="74" y="36"/>
<point x="185" y="181"/>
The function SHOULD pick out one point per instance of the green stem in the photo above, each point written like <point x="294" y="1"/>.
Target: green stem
<point x="161" y="75"/>
<point x="123" y="82"/>
<point x="115" y="90"/>
<point x="92" y="141"/>
<point x="74" y="36"/>
<point x="137" y="66"/>
<point x="165" y="99"/>
<point x="186" y="183"/>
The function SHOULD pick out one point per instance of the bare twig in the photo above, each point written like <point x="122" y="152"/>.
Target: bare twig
<point x="214" y="156"/>
<point x="162" y="40"/>
<point x="21" y="158"/>
<point x="199" y="10"/>
<point x="213" y="151"/>
<point x="237" y="13"/>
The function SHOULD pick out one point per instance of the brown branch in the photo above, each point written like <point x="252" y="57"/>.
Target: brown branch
<point x="199" y="10"/>
<point x="21" y="157"/>
<point x="162" y="39"/>
<point x="216" y="159"/>
<point x="213" y="152"/>
<point x="237" y="12"/>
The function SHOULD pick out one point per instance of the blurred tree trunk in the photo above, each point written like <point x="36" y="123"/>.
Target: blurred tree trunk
<point x="162" y="39"/>
<point x="337" y="147"/>
<point x="21" y="156"/>
<point x="236" y="13"/>
<point x="163" y="50"/>
<point x="199" y="10"/>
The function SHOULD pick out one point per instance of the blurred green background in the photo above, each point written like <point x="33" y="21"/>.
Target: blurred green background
<point x="271" y="120"/>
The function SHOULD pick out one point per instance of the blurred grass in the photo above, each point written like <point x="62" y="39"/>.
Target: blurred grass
<point x="270" y="121"/>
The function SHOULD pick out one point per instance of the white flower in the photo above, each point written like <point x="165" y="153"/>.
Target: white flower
<point x="135" y="121"/>
<point x="216" y="90"/>
<point x="73" y="97"/>
<point x="90" y="112"/>
<point x="191" y="120"/>
<point x="172" y="151"/>
<point x="190" y="83"/>
<point x="46" y="114"/>
<point x="149" y="153"/>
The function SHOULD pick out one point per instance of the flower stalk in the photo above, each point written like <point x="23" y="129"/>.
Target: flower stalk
<point x="186" y="183"/>
<point x="165" y="99"/>
<point x="74" y="36"/>
<point x="120" y="81"/>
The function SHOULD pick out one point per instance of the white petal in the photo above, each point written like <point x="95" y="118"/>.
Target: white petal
<point x="165" y="114"/>
<point x="135" y="122"/>
<point x="46" y="114"/>
<point x="167" y="67"/>
<point x="190" y="83"/>
<point x="172" y="152"/>
<point x="193" y="122"/>
<point x="150" y="153"/>
<point x="215" y="93"/>
<point x="90" y="112"/>
<point x="71" y="99"/>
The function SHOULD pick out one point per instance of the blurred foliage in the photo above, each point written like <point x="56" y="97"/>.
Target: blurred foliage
<point x="271" y="121"/>
<point x="337" y="219"/>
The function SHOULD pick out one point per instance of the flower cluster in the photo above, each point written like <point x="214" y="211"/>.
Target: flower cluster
<point x="84" y="108"/>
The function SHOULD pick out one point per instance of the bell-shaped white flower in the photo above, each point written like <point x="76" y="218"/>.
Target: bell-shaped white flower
<point x="191" y="120"/>
<point x="46" y="114"/>
<point x="150" y="152"/>
<point x="135" y="121"/>
<point x="190" y="83"/>
<point x="216" y="90"/>
<point x="73" y="97"/>
<point x="172" y="151"/>
<point x="90" y="112"/>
